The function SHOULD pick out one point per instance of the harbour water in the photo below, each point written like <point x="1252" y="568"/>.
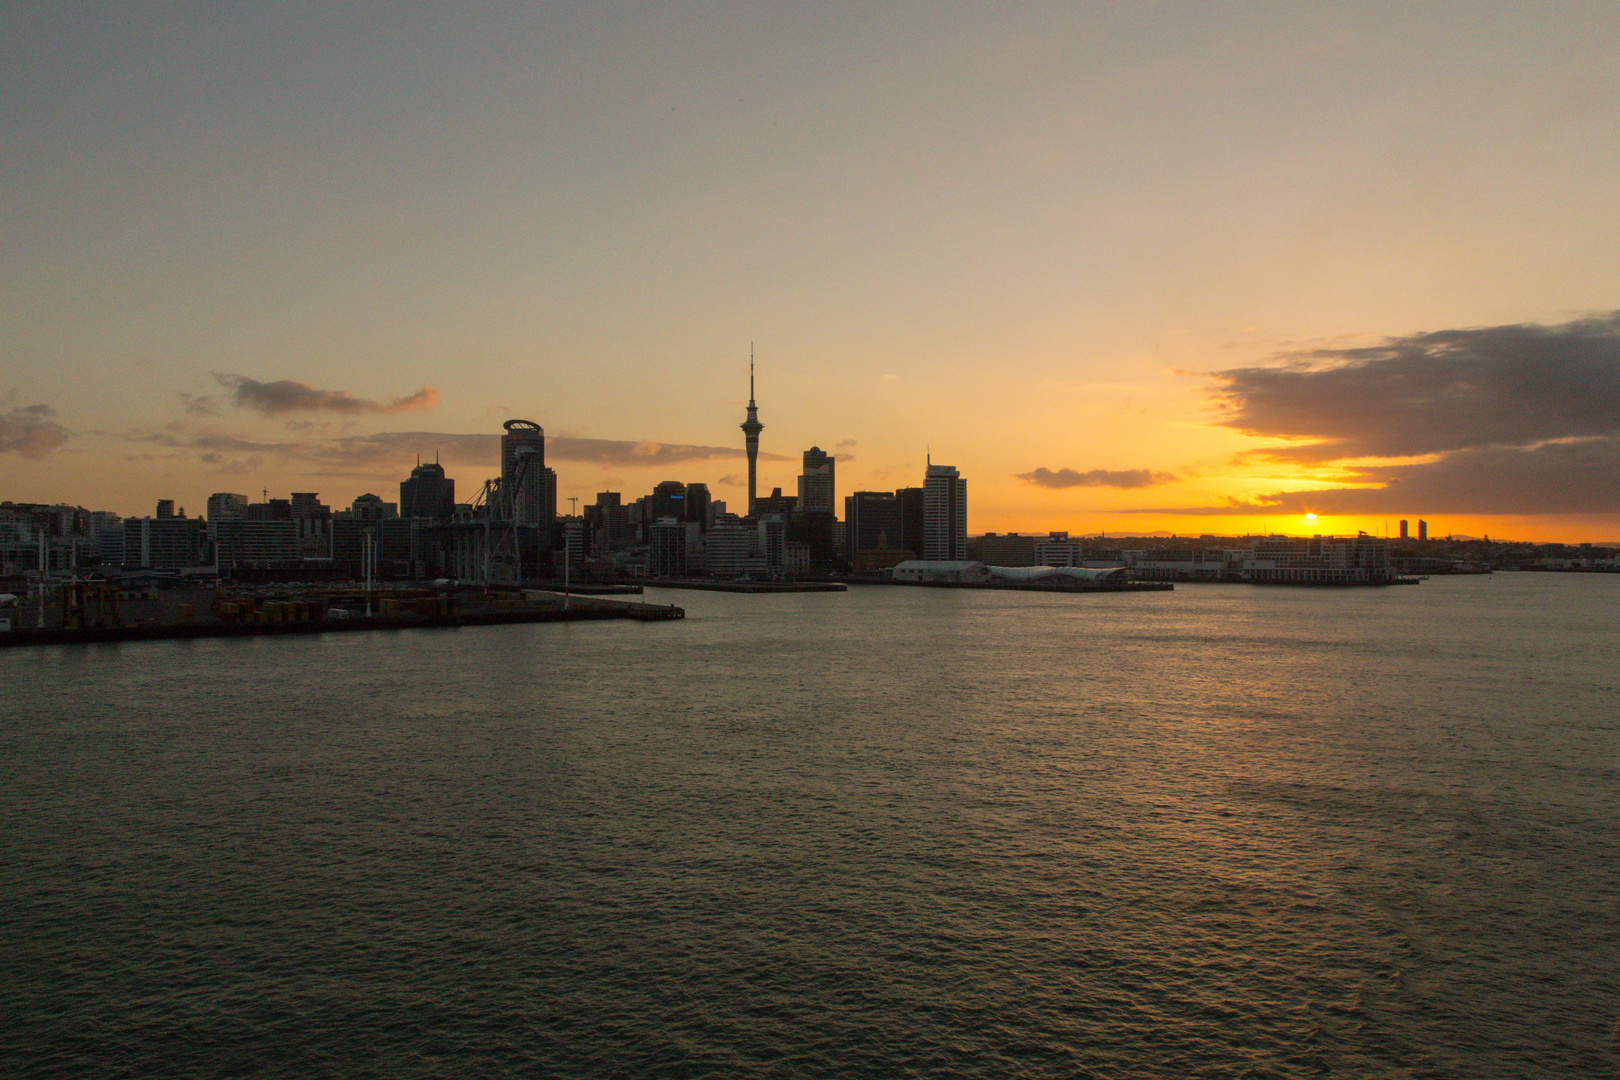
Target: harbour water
<point x="1222" y="831"/>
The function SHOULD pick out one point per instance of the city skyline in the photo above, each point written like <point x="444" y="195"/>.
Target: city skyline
<point x="1129" y="270"/>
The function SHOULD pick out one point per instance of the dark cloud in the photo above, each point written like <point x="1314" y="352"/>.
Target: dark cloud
<point x="1433" y="393"/>
<point x="1513" y="419"/>
<point x="288" y="396"/>
<point x="198" y="404"/>
<point x="1122" y="478"/>
<point x="31" y="430"/>
<point x="236" y="466"/>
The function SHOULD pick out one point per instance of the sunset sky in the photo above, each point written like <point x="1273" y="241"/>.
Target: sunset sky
<point x="1129" y="267"/>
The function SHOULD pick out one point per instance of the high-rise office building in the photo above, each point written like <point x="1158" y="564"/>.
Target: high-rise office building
<point x="772" y="542"/>
<point x="312" y="520"/>
<point x="428" y="493"/>
<point x="751" y="428"/>
<point x="816" y="484"/>
<point x="668" y="499"/>
<point x="1423" y="529"/>
<point x="548" y="501"/>
<point x="670" y="546"/>
<point x="697" y="505"/>
<point x="944" y="514"/>
<point x="610" y="522"/>
<point x="775" y="503"/>
<point x="911" y="520"/>
<point x="369" y="507"/>
<point x="224" y="506"/>
<point x="574" y="546"/>
<point x="531" y="488"/>
<point x="1403" y="529"/>
<point x="872" y="521"/>
<point x="726" y="547"/>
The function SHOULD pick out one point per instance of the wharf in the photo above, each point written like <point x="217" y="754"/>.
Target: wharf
<point x="579" y="609"/>
<point x="1026" y="586"/>
<point x="591" y="589"/>
<point x="747" y="586"/>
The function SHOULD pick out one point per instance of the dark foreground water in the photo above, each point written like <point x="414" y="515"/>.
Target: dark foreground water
<point x="1224" y="831"/>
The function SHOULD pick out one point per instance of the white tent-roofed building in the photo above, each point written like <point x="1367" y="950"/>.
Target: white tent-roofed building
<point x="1083" y="575"/>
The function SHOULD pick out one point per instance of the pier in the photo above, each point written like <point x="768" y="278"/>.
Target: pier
<point x="226" y="616"/>
<point x="713" y="585"/>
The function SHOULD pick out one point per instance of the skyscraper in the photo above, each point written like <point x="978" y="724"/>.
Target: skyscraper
<point x="816" y="484"/>
<point x="312" y="521"/>
<point x="428" y="493"/>
<point x="697" y="505"/>
<point x="911" y="520"/>
<point x="668" y="499"/>
<point x="872" y="521"/>
<point x="751" y="428"/>
<point x="944" y="514"/>
<point x="524" y="476"/>
<point x="1423" y="529"/>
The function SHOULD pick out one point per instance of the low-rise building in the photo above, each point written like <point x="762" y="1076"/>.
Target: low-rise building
<point x="1359" y="560"/>
<point x="1010" y="549"/>
<point x="172" y="543"/>
<point x="941" y="571"/>
<point x="238" y="541"/>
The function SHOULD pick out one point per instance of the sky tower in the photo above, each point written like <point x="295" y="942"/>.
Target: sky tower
<point x="751" y="428"/>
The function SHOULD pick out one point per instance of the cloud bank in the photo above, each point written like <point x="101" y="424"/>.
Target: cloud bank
<point x="1434" y="393"/>
<point x="1070" y="478"/>
<point x="287" y="396"/>
<point x="1518" y="419"/>
<point x="31" y="430"/>
<point x="392" y="453"/>
<point x="645" y="452"/>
